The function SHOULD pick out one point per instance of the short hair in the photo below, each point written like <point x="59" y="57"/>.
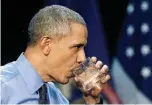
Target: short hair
<point x="52" y="20"/>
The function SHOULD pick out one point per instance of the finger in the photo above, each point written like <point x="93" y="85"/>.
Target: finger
<point x="93" y="59"/>
<point x="104" y="69"/>
<point x="75" y="79"/>
<point x="98" y="65"/>
<point x="106" y="79"/>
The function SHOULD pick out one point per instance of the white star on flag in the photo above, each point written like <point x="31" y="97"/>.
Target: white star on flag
<point x="146" y="72"/>
<point x="145" y="50"/>
<point x="129" y="52"/>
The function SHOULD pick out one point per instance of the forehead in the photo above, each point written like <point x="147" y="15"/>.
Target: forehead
<point x="79" y="29"/>
<point x="78" y="35"/>
<point x="78" y="32"/>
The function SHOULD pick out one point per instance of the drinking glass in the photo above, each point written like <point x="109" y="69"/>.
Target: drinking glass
<point x="87" y="75"/>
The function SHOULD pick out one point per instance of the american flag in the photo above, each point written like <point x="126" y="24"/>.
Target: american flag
<point x="132" y="67"/>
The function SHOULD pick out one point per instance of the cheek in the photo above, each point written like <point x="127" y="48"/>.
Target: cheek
<point x="64" y="59"/>
<point x="71" y="58"/>
<point x="69" y="62"/>
<point x="68" y="56"/>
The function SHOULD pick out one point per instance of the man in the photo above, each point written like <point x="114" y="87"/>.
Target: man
<point x="57" y="36"/>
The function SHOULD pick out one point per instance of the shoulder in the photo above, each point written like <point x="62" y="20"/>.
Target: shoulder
<point x="13" y="86"/>
<point x="8" y="72"/>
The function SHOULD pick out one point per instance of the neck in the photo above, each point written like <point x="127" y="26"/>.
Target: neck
<point x="37" y="60"/>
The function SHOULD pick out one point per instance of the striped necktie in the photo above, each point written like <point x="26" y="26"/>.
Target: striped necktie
<point x="43" y="94"/>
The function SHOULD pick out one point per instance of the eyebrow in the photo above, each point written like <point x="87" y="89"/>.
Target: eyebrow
<point x="79" y="44"/>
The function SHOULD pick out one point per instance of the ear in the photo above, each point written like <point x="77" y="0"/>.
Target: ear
<point x="45" y="44"/>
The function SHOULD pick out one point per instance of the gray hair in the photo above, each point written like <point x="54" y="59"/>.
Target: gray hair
<point x="52" y="20"/>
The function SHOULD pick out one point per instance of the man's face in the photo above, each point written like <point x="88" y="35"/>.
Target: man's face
<point x="67" y="54"/>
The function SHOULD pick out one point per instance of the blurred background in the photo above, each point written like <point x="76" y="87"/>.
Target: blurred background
<point x="120" y="35"/>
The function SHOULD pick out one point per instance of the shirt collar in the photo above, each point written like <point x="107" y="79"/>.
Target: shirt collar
<point x="29" y="74"/>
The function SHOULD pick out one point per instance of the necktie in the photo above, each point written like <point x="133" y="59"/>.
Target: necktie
<point x="43" y="94"/>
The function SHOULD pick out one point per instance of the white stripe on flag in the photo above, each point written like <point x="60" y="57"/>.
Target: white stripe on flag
<point x="124" y="86"/>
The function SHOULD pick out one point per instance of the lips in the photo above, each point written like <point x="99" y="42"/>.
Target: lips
<point x="72" y="71"/>
<point x="71" y="75"/>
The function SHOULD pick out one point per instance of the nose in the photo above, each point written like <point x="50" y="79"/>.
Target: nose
<point x="81" y="56"/>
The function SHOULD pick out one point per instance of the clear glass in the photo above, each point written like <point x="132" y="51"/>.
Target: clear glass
<point x="88" y="75"/>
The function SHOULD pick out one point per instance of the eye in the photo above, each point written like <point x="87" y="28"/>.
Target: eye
<point x="79" y="46"/>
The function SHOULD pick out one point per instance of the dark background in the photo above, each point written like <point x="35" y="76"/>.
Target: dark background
<point x="16" y="15"/>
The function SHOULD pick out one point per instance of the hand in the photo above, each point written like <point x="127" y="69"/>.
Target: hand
<point x="94" y="94"/>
